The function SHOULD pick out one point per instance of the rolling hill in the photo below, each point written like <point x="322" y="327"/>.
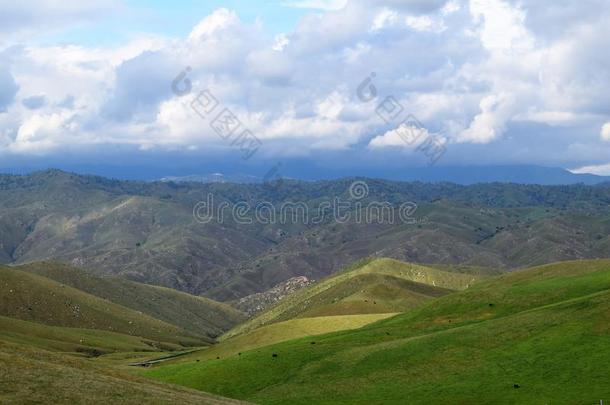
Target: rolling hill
<point x="538" y="335"/>
<point x="33" y="298"/>
<point x="194" y="314"/>
<point x="68" y="340"/>
<point x="31" y="375"/>
<point x="78" y="341"/>
<point x="372" y="286"/>
<point x="280" y="332"/>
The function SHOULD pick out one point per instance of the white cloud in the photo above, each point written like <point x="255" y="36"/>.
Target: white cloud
<point x="281" y="42"/>
<point x="384" y="18"/>
<point x="405" y="136"/>
<point x="502" y="25"/>
<point x="470" y="69"/>
<point x="38" y="134"/>
<point x="450" y="7"/>
<point x="554" y="118"/>
<point x="605" y="132"/>
<point x="220" y="20"/>
<point x="490" y="123"/>
<point x="600" y="170"/>
<point x="424" y="23"/>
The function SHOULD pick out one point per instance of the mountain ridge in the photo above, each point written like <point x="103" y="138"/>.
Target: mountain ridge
<point x="146" y="232"/>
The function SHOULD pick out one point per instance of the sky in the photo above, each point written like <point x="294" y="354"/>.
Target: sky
<point x="241" y="86"/>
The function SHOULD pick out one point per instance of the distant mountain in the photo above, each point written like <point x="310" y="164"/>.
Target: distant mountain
<point x="503" y="174"/>
<point x="465" y="175"/>
<point x="307" y="171"/>
<point x="214" y="178"/>
<point x="147" y="232"/>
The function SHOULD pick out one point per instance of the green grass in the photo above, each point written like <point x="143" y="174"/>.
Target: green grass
<point x="74" y="340"/>
<point x="547" y="330"/>
<point x="37" y="299"/>
<point x="29" y="375"/>
<point x="197" y="315"/>
<point x="280" y="332"/>
<point x="371" y="286"/>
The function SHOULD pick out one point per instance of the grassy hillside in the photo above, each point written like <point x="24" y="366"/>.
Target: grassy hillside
<point x="368" y="287"/>
<point x="29" y="375"/>
<point x="88" y="342"/>
<point x="534" y="336"/>
<point x="194" y="314"/>
<point x="34" y="298"/>
<point x="283" y="331"/>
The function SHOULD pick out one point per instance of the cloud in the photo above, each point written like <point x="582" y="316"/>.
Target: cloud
<point x="141" y="83"/>
<point x="424" y="23"/>
<point x="502" y="26"/>
<point x="28" y="18"/>
<point x="384" y="18"/>
<point x="34" y="102"/>
<point x="605" y="132"/>
<point x="601" y="170"/>
<point x="490" y="123"/>
<point x="219" y="21"/>
<point x="405" y="136"/>
<point x="488" y="75"/>
<point x="412" y="6"/>
<point x="316" y="4"/>
<point x="38" y="134"/>
<point x="8" y="89"/>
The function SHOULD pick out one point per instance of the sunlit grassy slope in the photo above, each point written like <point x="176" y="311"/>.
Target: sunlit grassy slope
<point x="194" y="314"/>
<point x="369" y="287"/>
<point x="29" y="375"/>
<point x="282" y="331"/>
<point x="534" y="336"/>
<point x="37" y="299"/>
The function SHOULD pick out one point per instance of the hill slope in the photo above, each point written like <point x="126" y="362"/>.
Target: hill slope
<point x="29" y="375"/>
<point x="194" y="314"/>
<point x="534" y="336"/>
<point x="281" y="332"/>
<point x="77" y="341"/>
<point x="34" y="298"/>
<point x="368" y="287"/>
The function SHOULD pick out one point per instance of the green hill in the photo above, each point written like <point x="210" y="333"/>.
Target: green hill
<point x="197" y="315"/>
<point x="88" y="342"/>
<point x="29" y="375"/>
<point x="534" y="336"/>
<point x="282" y="331"/>
<point x="368" y="287"/>
<point x="34" y="298"/>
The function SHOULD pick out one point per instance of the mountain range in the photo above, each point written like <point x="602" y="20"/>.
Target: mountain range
<point x="257" y="172"/>
<point x="147" y="232"/>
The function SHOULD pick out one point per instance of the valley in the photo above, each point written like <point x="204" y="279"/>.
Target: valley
<point x="116" y="283"/>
